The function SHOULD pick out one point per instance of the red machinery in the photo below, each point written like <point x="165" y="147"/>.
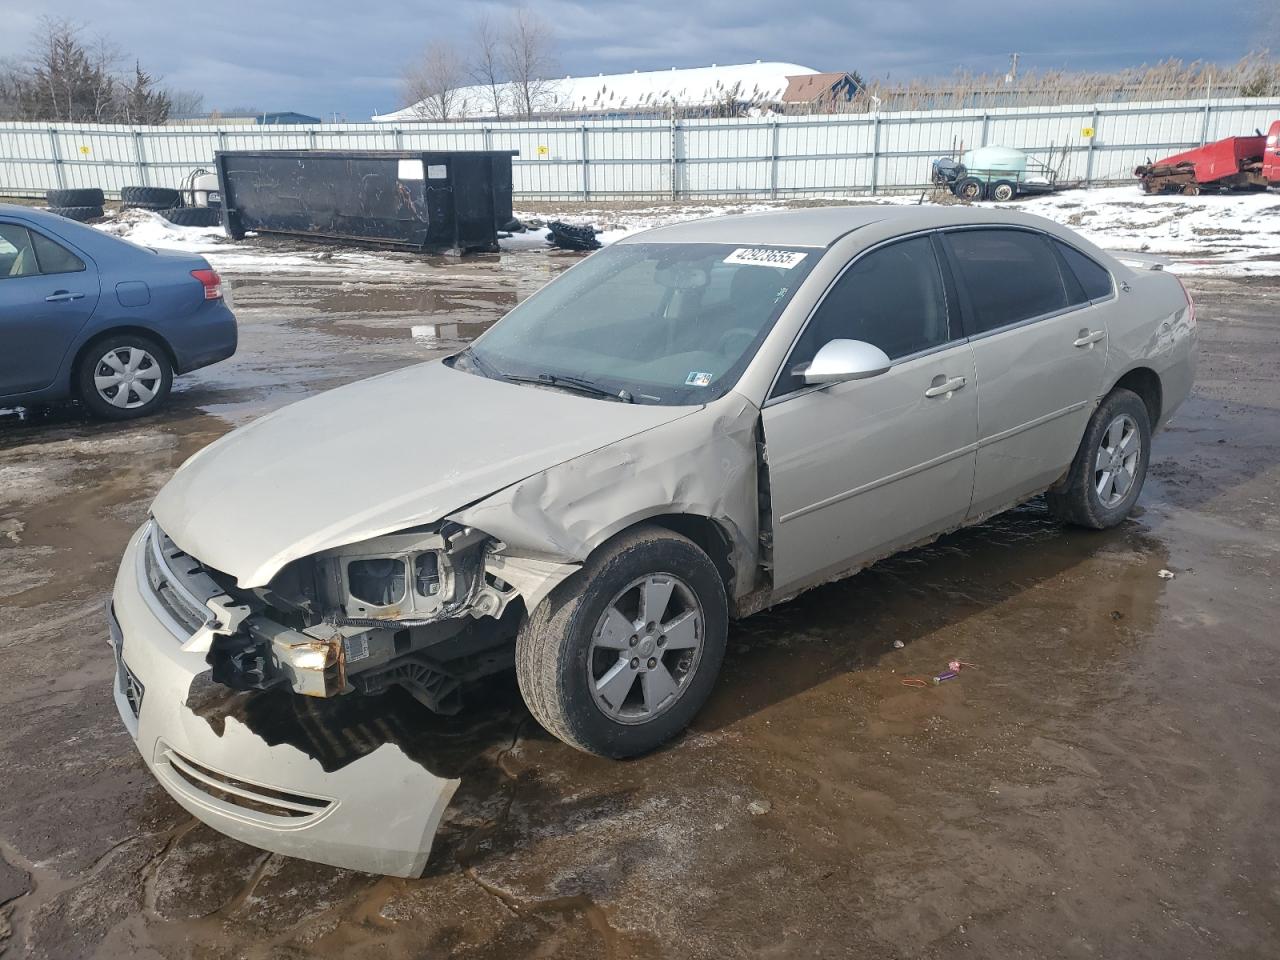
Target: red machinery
<point x="1236" y="163"/>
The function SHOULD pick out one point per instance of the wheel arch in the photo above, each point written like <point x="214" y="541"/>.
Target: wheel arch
<point x="708" y="535"/>
<point x="1146" y="383"/>
<point x="113" y="331"/>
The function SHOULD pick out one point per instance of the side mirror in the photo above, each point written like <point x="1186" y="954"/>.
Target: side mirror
<point x="841" y="360"/>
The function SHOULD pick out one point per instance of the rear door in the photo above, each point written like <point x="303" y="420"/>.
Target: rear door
<point x="47" y="295"/>
<point x="1040" y="351"/>
<point x="859" y="469"/>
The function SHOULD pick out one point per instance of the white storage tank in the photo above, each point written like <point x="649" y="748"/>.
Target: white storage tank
<point x="996" y="160"/>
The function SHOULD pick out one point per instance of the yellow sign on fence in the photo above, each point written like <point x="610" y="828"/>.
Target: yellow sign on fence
<point x="1087" y="133"/>
<point x="543" y="150"/>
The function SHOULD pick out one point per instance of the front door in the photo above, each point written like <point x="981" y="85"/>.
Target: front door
<point x="46" y="297"/>
<point x="1040" y="349"/>
<point x="859" y="469"/>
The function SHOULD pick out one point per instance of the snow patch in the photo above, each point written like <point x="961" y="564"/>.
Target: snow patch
<point x="1230" y="235"/>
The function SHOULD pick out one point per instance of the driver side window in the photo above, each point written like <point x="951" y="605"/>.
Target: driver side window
<point x="892" y="297"/>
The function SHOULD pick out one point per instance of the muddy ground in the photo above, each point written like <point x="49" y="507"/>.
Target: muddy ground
<point x="1101" y="783"/>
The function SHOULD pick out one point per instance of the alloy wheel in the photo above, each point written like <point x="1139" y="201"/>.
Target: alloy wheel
<point x="1116" y="464"/>
<point x="645" y="648"/>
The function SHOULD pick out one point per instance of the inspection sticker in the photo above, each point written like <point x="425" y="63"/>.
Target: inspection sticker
<point x="764" y="257"/>
<point x="698" y="378"/>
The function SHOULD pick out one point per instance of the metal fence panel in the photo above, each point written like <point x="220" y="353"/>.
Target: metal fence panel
<point x="583" y="159"/>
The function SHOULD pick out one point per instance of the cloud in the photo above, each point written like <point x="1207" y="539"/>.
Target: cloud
<point x="329" y="56"/>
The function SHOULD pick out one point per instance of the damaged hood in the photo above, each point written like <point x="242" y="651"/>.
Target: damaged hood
<point x="373" y="457"/>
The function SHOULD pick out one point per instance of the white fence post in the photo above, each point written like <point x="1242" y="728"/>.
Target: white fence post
<point x="139" y="159"/>
<point x="1088" y="160"/>
<point x="773" y="161"/>
<point x="58" y="173"/>
<point x="675" y="189"/>
<point x="875" y="152"/>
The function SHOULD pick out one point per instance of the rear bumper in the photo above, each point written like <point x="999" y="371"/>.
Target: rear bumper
<point x="378" y="814"/>
<point x="207" y="336"/>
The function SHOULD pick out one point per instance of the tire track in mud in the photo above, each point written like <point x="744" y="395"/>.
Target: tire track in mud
<point x="530" y="910"/>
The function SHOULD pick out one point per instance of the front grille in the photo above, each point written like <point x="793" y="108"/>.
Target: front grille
<point x="266" y="804"/>
<point x="178" y="582"/>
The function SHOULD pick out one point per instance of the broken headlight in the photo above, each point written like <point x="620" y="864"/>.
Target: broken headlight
<point x="404" y="577"/>
<point x="378" y="581"/>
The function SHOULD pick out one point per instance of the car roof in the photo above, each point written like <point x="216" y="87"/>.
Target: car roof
<point x="823" y="226"/>
<point x="57" y="225"/>
<point x="34" y="214"/>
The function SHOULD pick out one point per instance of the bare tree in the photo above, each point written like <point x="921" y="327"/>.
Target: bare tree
<point x="433" y="84"/>
<point x="10" y="91"/>
<point x="486" y="66"/>
<point x="184" y="104"/>
<point x="68" y="78"/>
<point x="528" y="60"/>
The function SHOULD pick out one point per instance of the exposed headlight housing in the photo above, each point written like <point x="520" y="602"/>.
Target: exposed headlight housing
<point x="409" y="578"/>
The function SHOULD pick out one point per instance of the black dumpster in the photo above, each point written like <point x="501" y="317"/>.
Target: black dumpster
<point x="413" y="199"/>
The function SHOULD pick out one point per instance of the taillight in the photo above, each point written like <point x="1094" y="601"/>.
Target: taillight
<point x="1191" y="305"/>
<point x="211" y="282"/>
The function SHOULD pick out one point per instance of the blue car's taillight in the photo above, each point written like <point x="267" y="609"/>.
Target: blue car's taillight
<point x="211" y="282"/>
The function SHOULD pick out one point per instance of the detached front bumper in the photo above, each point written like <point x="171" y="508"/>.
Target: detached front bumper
<point x="378" y="813"/>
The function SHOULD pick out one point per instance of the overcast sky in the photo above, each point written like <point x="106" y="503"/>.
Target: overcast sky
<point x="327" y="56"/>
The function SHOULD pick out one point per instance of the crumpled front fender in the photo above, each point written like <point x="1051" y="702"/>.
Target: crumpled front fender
<point x="703" y="465"/>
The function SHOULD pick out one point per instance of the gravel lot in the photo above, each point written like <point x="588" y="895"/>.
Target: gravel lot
<point x="1102" y="783"/>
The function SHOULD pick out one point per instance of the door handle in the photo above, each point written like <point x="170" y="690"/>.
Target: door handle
<point x="947" y="386"/>
<point x="1089" y="337"/>
<point x="63" y="296"/>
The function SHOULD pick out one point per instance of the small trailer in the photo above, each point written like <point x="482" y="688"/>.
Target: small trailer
<point x="1234" y="163"/>
<point x="426" y="201"/>
<point x="994" y="173"/>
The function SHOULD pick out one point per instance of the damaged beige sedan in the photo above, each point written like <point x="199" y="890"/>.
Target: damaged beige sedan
<point x="688" y="426"/>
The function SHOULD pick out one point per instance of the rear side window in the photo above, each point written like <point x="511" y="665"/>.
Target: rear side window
<point x="892" y="297"/>
<point x="53" y="257"/>
<point x="1095" y="280"/>
<point x="1011" y="276"/>
<point x="17" y="257"/>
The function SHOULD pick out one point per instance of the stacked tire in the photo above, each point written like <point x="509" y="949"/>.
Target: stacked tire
<point x="150" y="198"/>
<point x="80" y="205"/>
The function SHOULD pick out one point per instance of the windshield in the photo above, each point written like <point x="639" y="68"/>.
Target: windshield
<point x="667" y="323"/>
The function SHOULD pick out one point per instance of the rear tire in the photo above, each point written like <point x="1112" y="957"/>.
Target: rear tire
<point x="150" y="198"/>
<point x="79" y="214"/>
<point x="604" y="673"/>
<point x="128" y="362"/>
<point x="1003" y="191"/>
<point x="1109" y="469"/>
<point x="86" y="197"/>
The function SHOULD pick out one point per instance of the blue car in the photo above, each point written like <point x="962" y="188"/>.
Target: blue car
<point x="88" y="316"/>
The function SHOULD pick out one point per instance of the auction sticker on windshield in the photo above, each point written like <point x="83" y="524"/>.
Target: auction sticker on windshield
<point x="764" y="257"/>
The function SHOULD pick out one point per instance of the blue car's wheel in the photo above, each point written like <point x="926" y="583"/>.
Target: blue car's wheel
<point x="124" y="376"/>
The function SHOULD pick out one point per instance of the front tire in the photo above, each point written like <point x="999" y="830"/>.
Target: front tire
<point x="1109" y="469"/>
<point x="622" y="655"/>
<point x="124" y="376"/>
<point x="971" y="189"/>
